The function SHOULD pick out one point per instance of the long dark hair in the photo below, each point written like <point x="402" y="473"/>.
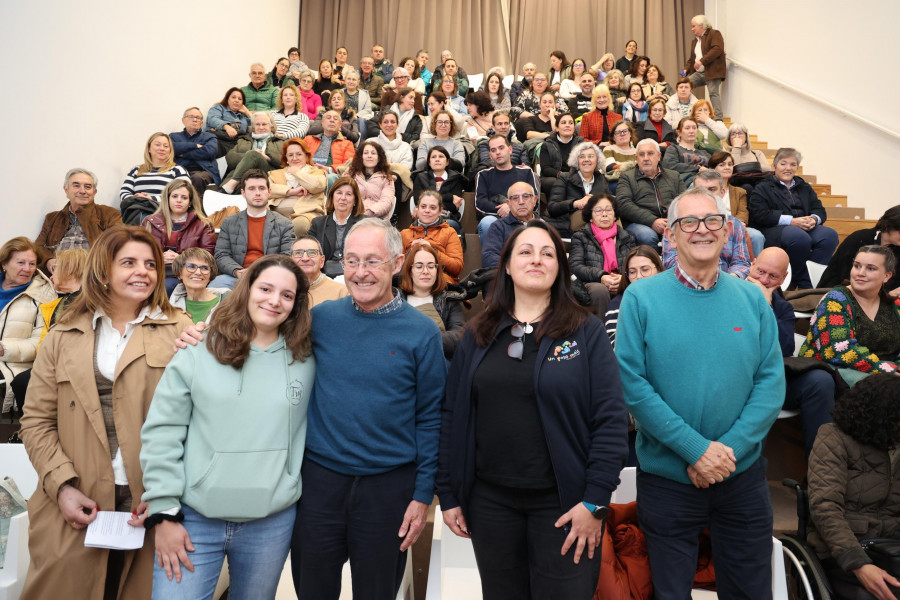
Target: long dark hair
<point x="870" y="413"/>
<point x="382" y="166"/>
<point x="646" y="252"/>
<point x="565" y="315"/>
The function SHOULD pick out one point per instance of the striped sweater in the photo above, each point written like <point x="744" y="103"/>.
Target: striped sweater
<point x="151" y="182"/>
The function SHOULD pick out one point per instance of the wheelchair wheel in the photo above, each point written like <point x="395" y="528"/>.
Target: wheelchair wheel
<point x="806" y="579"/>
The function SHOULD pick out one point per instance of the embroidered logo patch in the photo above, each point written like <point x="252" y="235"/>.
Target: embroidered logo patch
<point x="295" y="391"/>
<point x="565" y="351"/>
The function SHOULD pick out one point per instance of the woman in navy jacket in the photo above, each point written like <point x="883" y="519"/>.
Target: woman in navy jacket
<point x="533" y="431"/>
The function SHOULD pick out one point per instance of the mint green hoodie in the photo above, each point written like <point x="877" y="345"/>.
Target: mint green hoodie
<point x="227" y="442"/>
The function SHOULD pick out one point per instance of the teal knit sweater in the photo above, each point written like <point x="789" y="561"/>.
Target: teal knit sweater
<point x="698" y="366"/>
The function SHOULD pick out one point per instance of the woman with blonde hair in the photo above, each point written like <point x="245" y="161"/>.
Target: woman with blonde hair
<point x="180" y="223"/>
<point x="603" y="66"/>
<point x="596" y="124"/>
<point x="90" y="389"/>
<point x="297" y="190"/>
<point x="140" y="191"/>
<point x="290" y="120"/>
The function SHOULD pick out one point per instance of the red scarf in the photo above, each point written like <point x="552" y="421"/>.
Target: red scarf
<point x="607" y="239"/>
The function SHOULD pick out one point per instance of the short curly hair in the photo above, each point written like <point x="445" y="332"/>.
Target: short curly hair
<point x="870" y="412"/>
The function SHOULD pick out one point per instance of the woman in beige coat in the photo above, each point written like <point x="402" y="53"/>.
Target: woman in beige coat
<point x="90" y="391"/>
<point x="22" y="290"/>
<point x="297" y="190"/>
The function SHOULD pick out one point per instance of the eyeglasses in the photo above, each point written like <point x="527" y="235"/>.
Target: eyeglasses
<point x="424" y="266"/>
<point x="520" y="197"/>
<point x="692" y="224"/>
<point x="603" y="211"/>
<point x="621" y="132"/>
<point x="587" y="157"/>
<point x="644" y="271"/>
<point x="442" y="123"/>
<point x="191" y="267"/>
<point x="194" y="117"/>
<point x="351" y="264"/>
<point x="517" y="347"/>
<point x="310" y="252"/>
<point x="257" y="72"/>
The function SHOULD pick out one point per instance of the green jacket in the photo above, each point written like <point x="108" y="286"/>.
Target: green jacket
<point x="260" y="99"/>
<point x="227" y="442"/>
<point x="641" y="198"/>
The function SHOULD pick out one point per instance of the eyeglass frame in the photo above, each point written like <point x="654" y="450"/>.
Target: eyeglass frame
<point x="310" y="252"/>
<point x="680" y="222"/>
<point x="367" y="265"/>
<point x="191" y="267"/>
<point x="420" y="266"/>
<point x="519" y="342"/>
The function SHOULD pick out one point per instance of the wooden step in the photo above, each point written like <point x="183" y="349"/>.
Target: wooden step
<point x="820" y="188"/>
<point x="770" y="152"/>
<point x="759" y="145"/>
<point x="754" y="137"/>
<point x="845" y="227"/>
<point x="845" y="212"/>
<point x="833" y="200"/>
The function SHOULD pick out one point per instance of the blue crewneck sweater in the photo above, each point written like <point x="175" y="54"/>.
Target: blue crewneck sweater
<point x="377" y="396"/>
<point x="698" y="366"/>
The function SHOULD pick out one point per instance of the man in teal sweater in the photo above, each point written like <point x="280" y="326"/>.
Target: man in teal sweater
<point x="701" y="367"/>
<point x="374" y="424"/>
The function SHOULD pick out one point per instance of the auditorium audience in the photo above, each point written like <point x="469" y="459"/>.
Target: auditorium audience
<point x="194" y="268"/>
<point x="656" y="127"/>
<point x="560" y="69"/>
<point x="738" y="143"/>
<point x="140" y="191"/>
<point x="581" y="102"/>
<point x="885" y="233"/>
<point x="603" y="66"/>
<point x="655" y="85"/>
<point x="624" y="63"/>
<point x="570" y="86"/>
<point x="228" y="119"/>
<point x="178" y="224"/>
<point x="369" y="80"/>
<point x="491" y="184"/>
<point x="343" y="208"/>
<point x="340" y="63"/>
<point x="495" y="90"/>
<point x="686" y="157"/>
<point x="573" y="190"/>
<point x="637" y="71"/>
<point x="615" y="82"/>
<point x="349" y="124"/>
<point x="520" y="201"/>
<point x="311" y="102"/>
<point x="259" y="94"/>
<point x="261" y="151"/>
<point x="556" y="149"/>
<point x="444" y="130"/>
<point x="330" y="149"/>
<point x="358" y="99"/>
<point x="325" y="81"/>
<point x="372" y="173"/>
<point x="642" y="261"/>
<point x="679" y="106"/>
<point x="431" y="226"/>
<point x="480" y="110"/>
<point x="447" y="182"/>
<point x="290" y="120"/>
<point x="196" y="150"/>
<point x="736" y="203"/>
<point x="619" y="156"/>
<point x="710" y="131"/>
<point x="307" y="254"/>
<point x="596" y="124"/>
<point x="297" y="190"/>
<point x="644" y="195"/>
<point x="279" y="76"/>
<point x="635" y="108"/>
<point x="395" y="148"/>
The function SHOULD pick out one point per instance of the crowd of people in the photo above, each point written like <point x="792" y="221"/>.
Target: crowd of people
<point x="329" y="381"/>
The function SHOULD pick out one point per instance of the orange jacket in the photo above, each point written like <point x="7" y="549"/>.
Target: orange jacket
<point x="444" y="239"/>
<point x="341" y="149"/>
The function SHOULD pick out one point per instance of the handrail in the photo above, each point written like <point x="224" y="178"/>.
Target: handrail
<point x="821" y="101"/>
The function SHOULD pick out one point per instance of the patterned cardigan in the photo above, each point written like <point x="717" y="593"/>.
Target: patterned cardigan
<point x="832" y="336"/>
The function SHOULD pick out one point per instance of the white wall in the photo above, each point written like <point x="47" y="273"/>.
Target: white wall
<point x="86" y="83"/>
<point x="845" y="54"/>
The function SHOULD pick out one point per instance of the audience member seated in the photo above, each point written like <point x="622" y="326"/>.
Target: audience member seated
<point x="573" y="190"/>
<point x="603" y="66"/>
<point x="228" y="119"/>
<point x="789" y="214"/>
<point x="140" y="191"/>
<point x="372" y="173"/>
<point x="885" y="233"/>
<point x="555" y="151"/>
<point x="280" y="76"/>
<point x="501" y="126"/>
<point x="635" y="108"/>
<point x="571" y="85"/>
<point x="382" y="66"/>
<point x="437" y="101"/>
<point x="656" y="127"/>
<point x="79" y="223"/>
<point x="710" y="132"/>
<point x="414" y="73"/>
<point x="644" y="195"/>
<point x="598" y="250"/>
<point x="194" y="268"/>
<point x="448" y="183"/>
<point x="811" y="390"/>
<point x="409" y="123"/>
<point x="196" y="150"/>
<point x="423" y="286"/>
<point x="480" y="110"/>
<point x="450" y="67"/>
<point x="856" y="328"/>
<point x="455" y="100"/>
<point x="736" y="202"/>
<point x="343" y="208"/>
<point x="307" y="254"/>
<point x="597" y="124"/>
<point x="518" y="87"/>
<point x="619" y="156"/>
<point x="251" y="233"/>
<point x="339" y="64"/>
<point x="491" y="184"/>
<point x="521" y="200"/>
<point x="430" y="226"/>
<point x="615" y="82"/>
<point x="655" y="85"/>
<point x="642" y="261"/>
<point x="679" y="106"/>
<point x="543" y="124"/>
<point x="259" y="94"/>
<point x="443" y="128"/>
<point x="852" y="488"/>
<point x="735" y="257"/>
<point x="531" y="103"/>
<point x="22" y="290"/>
<point x="496" y="92"/>
<point x="398" y="152"/>
<point x="422" y="61"/>
<point x="637" y="71"/>
<point x="325" y="81"/>
<point x="297" y="190"/>
<point x="560" y="70"/>
<point x="686" y="157"/>
<point x="358" y="99"/>
<point x="178" y="224"/>
<point x="582" y="101"/>
<point x="330" y="149"/>
<point x="290" y="120"/>
<point x="337" y="102"/>
<point x="262" y="151"/>
<point x="738" y="143"/>
<point x="311" y="102"/>
<point x="370" y="81"/>
<point x="624" y="63"/>
<point x="297" y="65"/>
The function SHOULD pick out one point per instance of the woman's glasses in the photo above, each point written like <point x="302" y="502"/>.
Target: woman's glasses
<point x="517" y="347"/>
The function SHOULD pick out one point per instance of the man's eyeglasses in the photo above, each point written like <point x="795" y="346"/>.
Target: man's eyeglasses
<point x="191" y="267"/>
<point x="310" y="252"/>
<point x="692" y="224"/>
<point x="520" y="197"/>
<point x="351" y="264"/>
<point x="194" y="117"/>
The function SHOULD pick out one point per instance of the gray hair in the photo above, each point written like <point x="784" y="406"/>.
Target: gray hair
<point x="647" y="142"/>
<point x="739" y="128"/>
<point x="79" y="171"/>
<point x="258" y="64"/>
<point x="694" y="191"/>
<point x="392" y="239"/>
<point x="267" y="115"/>
<point x="787" y="153"/>
<point x="308" y="238"/>
<point x="578" y="149"/>
<point x="498" y="70"/>
<point x="710" y="175"/>
<point x="348" y="70"/>
<point x="702" y="20"/>
<point x="187" y="110"/>
<point x="306" y="73"/>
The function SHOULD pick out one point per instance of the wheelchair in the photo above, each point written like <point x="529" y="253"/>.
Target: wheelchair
<point x="805" y="576"/>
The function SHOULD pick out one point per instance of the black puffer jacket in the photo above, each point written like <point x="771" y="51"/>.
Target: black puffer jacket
<point x="586" y="257"/>
<point x="566" y="191"/>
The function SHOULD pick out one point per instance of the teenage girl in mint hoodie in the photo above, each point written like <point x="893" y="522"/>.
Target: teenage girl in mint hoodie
<point x="224" y="438"/>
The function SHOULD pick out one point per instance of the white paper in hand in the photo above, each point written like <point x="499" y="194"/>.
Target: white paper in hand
<point x="111" y="530"/>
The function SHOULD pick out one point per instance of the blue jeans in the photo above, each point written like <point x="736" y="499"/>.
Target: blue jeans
<point x="223" y="281"/>
<point x="256" y="552"/>
<point x="757" y="240"/>
<point x="484" y="224"/>
<point x="813" y="393"/>
<point x="817" y="245"/>
<point x="644" y="235"/>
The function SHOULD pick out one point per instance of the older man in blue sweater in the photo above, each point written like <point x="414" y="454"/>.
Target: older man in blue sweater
<point x="374" y="424"/>
<point x="702" y="371"/>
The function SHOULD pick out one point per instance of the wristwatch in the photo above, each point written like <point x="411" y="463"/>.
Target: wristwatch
<point x="599" y="512"/>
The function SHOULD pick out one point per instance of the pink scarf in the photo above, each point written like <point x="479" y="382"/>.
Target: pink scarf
<point x="607" y="239"/>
